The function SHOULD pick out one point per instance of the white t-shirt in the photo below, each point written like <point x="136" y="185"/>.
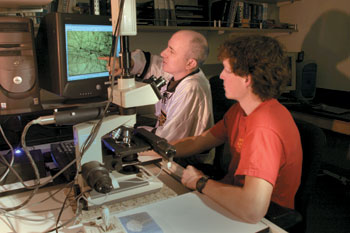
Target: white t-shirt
<point x="185" y="112"/>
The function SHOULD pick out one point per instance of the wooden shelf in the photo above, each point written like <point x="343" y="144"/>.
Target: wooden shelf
<point x="144" y="28"/>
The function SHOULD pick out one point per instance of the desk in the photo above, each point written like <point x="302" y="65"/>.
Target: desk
<point x="46" y="213"/>
<point x="336" y="122"/>
<point x="335" y="125"/>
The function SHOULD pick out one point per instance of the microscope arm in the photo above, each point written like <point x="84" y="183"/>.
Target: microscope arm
<point x="158" y="144"/>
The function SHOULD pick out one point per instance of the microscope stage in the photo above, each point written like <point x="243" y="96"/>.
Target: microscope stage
<point x="130" y="186"/>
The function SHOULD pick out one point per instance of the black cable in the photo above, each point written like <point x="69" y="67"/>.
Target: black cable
<point x="64" y="203"/>
<point x="96" y="127"/>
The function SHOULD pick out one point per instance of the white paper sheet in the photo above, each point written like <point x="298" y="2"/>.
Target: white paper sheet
<point x="193" y="212"/>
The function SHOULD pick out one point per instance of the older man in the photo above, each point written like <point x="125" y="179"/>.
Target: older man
<point x="186" y="107"/>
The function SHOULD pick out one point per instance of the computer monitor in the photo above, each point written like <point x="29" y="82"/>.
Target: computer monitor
<point x="68" y="47"/>
<point x="291" y="85"/>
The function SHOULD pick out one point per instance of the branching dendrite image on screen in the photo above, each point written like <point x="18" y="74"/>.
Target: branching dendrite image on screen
<point x="84" y="45"/>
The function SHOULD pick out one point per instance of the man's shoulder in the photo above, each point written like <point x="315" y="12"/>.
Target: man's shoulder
<point x="272" y="115"/>
<point x="196" y="80"/>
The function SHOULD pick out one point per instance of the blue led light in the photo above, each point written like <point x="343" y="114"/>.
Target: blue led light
<point x="18" y="151"/>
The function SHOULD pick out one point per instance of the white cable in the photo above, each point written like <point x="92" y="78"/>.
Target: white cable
<point x="12" y="153"/>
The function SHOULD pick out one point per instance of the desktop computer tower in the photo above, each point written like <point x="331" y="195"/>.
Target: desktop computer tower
<point x="306" y="80"/>
<point x="19" y="87"/>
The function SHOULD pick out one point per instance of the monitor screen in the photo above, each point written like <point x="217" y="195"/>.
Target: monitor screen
<point x="68" y="47"/>
<point x="291" y="85"/>
<point x="84" y="44"/>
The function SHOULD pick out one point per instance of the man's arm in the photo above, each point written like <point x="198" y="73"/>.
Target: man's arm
<point x="249" y="203"/>
<point x="138" y="65"/>
<point x="196" y="144"/>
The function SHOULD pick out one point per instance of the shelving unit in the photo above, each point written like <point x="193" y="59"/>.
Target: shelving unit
<point x="26" y="5"/>
<point x="144" y="28"/>
<point x="219" y="26"/>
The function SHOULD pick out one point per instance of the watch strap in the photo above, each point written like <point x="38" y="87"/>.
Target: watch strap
<point x="201" y="182"/>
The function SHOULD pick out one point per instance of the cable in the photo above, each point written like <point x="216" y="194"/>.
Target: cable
<point x="64" y="203"/>
<point x="12" y="153"/>
<point x="87" y="143"/>
<point x="9" y="222"/>
<point x="84" y="148"/>
<point x="18" y="216"/>
<point x="50" y="196"/>
<point x="97" y="126"/>
<point x="36" y="172"/>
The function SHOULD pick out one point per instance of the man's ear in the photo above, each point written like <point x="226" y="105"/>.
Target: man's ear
<point x="191" y="64"/>
<point x="248" y="80"/>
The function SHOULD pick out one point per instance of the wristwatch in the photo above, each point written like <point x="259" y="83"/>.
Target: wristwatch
<point x="201" y="183"/>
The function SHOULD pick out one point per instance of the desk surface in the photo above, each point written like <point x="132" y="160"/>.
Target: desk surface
<point x="335" y="125"/>
<point x="46" y="213"/>
<point x="339" y="123"/>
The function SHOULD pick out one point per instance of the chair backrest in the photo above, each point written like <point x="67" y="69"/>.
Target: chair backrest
<point x="313" y="142"/>
<point x="220" y="103"/>
<point x="220" y="106"/>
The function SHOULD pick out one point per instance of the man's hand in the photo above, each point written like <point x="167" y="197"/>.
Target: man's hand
<point x="117" y="69"/>
<point x="190" y="177"/>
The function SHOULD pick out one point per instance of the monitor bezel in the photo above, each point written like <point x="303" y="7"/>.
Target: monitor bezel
<point x="54" y="77"/>
<point x="88" y="88"/>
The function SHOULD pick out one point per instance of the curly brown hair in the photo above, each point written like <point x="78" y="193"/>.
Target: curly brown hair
<point x="261" y="57"/>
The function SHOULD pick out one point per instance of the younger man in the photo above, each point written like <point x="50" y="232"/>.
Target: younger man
<point x="264" y="140"/>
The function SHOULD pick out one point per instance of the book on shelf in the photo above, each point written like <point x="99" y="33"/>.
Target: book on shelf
<point x="232" y="13"/>
<point x="264" y="11"/>
<point x="239" y="14"/>
<point x="247" y="14"/>
<point x="226" y="10"/>
<point x="256" y="15"/>
<point x="156" y="13"/>
<point x="172" y="13"/>
<point x="163" y="12"/>
<point x="190" y="15"/>
<point x="66" y="6"/>
<point x="145" y="13"/>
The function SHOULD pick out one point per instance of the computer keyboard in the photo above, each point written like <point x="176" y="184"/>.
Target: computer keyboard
<point x="62" y="154"/>
<point x="330" y="109"/>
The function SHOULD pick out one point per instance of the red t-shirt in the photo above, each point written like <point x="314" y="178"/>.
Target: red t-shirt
<point x="264" y="144"/>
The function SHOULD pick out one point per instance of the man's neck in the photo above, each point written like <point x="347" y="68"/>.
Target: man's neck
<point x="181" y="75"/>
<point x="250" y="103"/>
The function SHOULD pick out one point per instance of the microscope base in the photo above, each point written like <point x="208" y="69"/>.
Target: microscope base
<point x="130" y="186"/>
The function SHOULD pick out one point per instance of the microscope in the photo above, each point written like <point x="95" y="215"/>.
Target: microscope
<point x="104" y="179"/>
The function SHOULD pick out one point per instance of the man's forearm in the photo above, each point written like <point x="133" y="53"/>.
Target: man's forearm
<point x="196" y="144"/>
<point x="184" y="147"/>
<point x="242" y="202"/>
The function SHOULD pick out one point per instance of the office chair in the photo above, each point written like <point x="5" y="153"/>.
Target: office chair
<point x="313" y="142"/>
<point x="220" y="105"/>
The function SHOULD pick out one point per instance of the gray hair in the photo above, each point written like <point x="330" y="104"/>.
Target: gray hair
<point x="199" y="49"/>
